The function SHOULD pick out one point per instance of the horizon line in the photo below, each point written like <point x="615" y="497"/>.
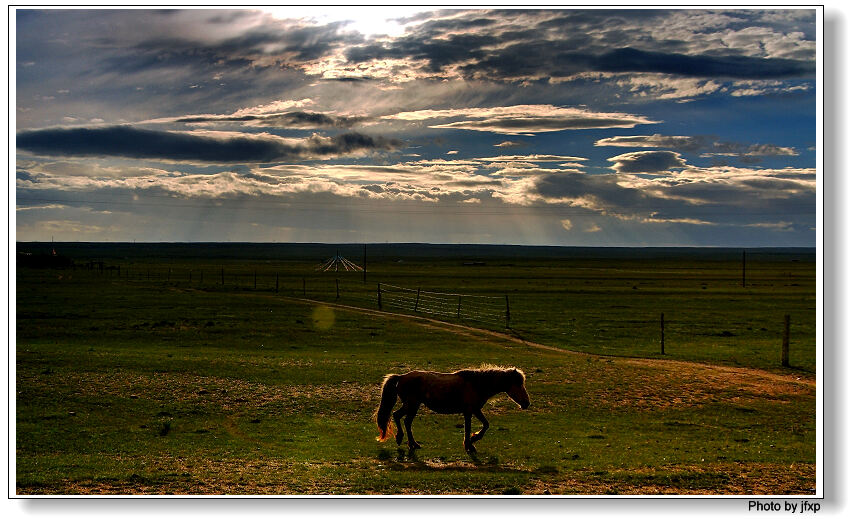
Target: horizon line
<point x="54" y="242"/>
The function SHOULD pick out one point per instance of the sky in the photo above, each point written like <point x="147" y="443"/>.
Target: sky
<point x="589" y="127"/>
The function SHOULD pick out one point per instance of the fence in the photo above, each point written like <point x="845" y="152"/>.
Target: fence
<point x="476" y="308"/>
<point x="459" y="306"/>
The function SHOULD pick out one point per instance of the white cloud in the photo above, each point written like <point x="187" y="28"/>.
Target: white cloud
<point x="524" y="119"/>
<point x="658" y="86"/>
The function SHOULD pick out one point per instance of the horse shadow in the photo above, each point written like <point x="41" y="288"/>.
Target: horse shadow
<point x="407" y="459"/>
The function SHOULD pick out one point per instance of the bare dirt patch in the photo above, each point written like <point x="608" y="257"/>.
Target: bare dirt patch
<point x="643" y="384"/>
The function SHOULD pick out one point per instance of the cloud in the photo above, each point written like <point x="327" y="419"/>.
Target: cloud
<point x="528" y="125"/>
<point x="661" y="86"/>
<point x="725" y="197"/>
<point x="706" y="146"/>
<point x="678" y="142"/>
<point x="263" y="43"/>
<point x="770" y="150"/>
<point x="742" y="67"/>
<point x="530" y="158"/>
<point x="782" y="199"/>
<point x="508" y="144"/>
<point x="524" y="119"/>
<point x="647" y="162"/>
<point x="532" y="45"/>
<point x="295" y="119"/>
<point x="768" y="88"/>
<point x="213" y="147"/>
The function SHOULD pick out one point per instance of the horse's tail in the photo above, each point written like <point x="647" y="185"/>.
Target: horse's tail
<point x="388" y="396"/>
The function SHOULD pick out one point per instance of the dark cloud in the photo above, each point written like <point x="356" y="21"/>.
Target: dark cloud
<point x="647" y="162"/>
<point x="540" y="59"/>
<point x="737" y="67"/>
<point x="439" y="53"/>
<point x="349" y="79"/>
<point x="283" y="44"/>
<point x="301" y="43"/>
<point x="601" y="191"/>
<point x="298" y="119"/>
<point x="733" y="201"/>
<point x="706" y="145"/>
<point x="126" y="141"/>
<point x="475" y="183"/>
<point x="228" y="17"/>
<point x="442" y="26"/>
<point x="545" y="44"/>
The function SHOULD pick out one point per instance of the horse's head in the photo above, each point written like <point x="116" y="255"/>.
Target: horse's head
<point x="517" y="388"/>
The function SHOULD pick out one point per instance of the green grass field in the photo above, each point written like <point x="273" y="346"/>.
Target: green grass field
<point x="166" y="378"/>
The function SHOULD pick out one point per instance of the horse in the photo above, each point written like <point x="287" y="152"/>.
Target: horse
<point x="465" y="391"/>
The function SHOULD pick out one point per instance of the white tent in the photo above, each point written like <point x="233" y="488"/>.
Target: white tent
<point x="337" y="262"/>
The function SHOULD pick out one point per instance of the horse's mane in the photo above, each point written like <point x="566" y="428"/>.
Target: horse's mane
<point x="494" y="371"/>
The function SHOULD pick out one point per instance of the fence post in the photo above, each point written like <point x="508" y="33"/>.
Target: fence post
<point x="786" y="342"/>
<point x="662" y="333"/>
<point x="507" y="313"/>
<point x="379" y="305"/>
<point x="418" y="291"/>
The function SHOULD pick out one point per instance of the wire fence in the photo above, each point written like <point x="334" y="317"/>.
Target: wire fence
<point x="490" y="309"/>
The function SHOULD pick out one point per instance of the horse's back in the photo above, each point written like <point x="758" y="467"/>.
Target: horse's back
<point x="440" y="392"/>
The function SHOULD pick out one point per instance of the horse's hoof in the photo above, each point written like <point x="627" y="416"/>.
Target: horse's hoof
<point x="469" y="448"/>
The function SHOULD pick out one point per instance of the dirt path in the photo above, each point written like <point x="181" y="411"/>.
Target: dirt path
<point x="802" y="379"/>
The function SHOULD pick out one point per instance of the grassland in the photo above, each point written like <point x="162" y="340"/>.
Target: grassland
<point x="150" y="380"/>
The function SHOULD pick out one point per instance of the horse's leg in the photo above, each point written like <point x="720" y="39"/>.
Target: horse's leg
<point x="478" y="436"/>
<point x="399" y="432"/>
<point x="408" y="420"/>
<point x="468" y="442"/>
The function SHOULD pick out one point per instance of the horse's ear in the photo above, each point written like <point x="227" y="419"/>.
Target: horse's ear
<point x="517" y="374"/>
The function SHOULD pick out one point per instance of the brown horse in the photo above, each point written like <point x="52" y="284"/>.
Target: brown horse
<point x="464" y="391"/>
